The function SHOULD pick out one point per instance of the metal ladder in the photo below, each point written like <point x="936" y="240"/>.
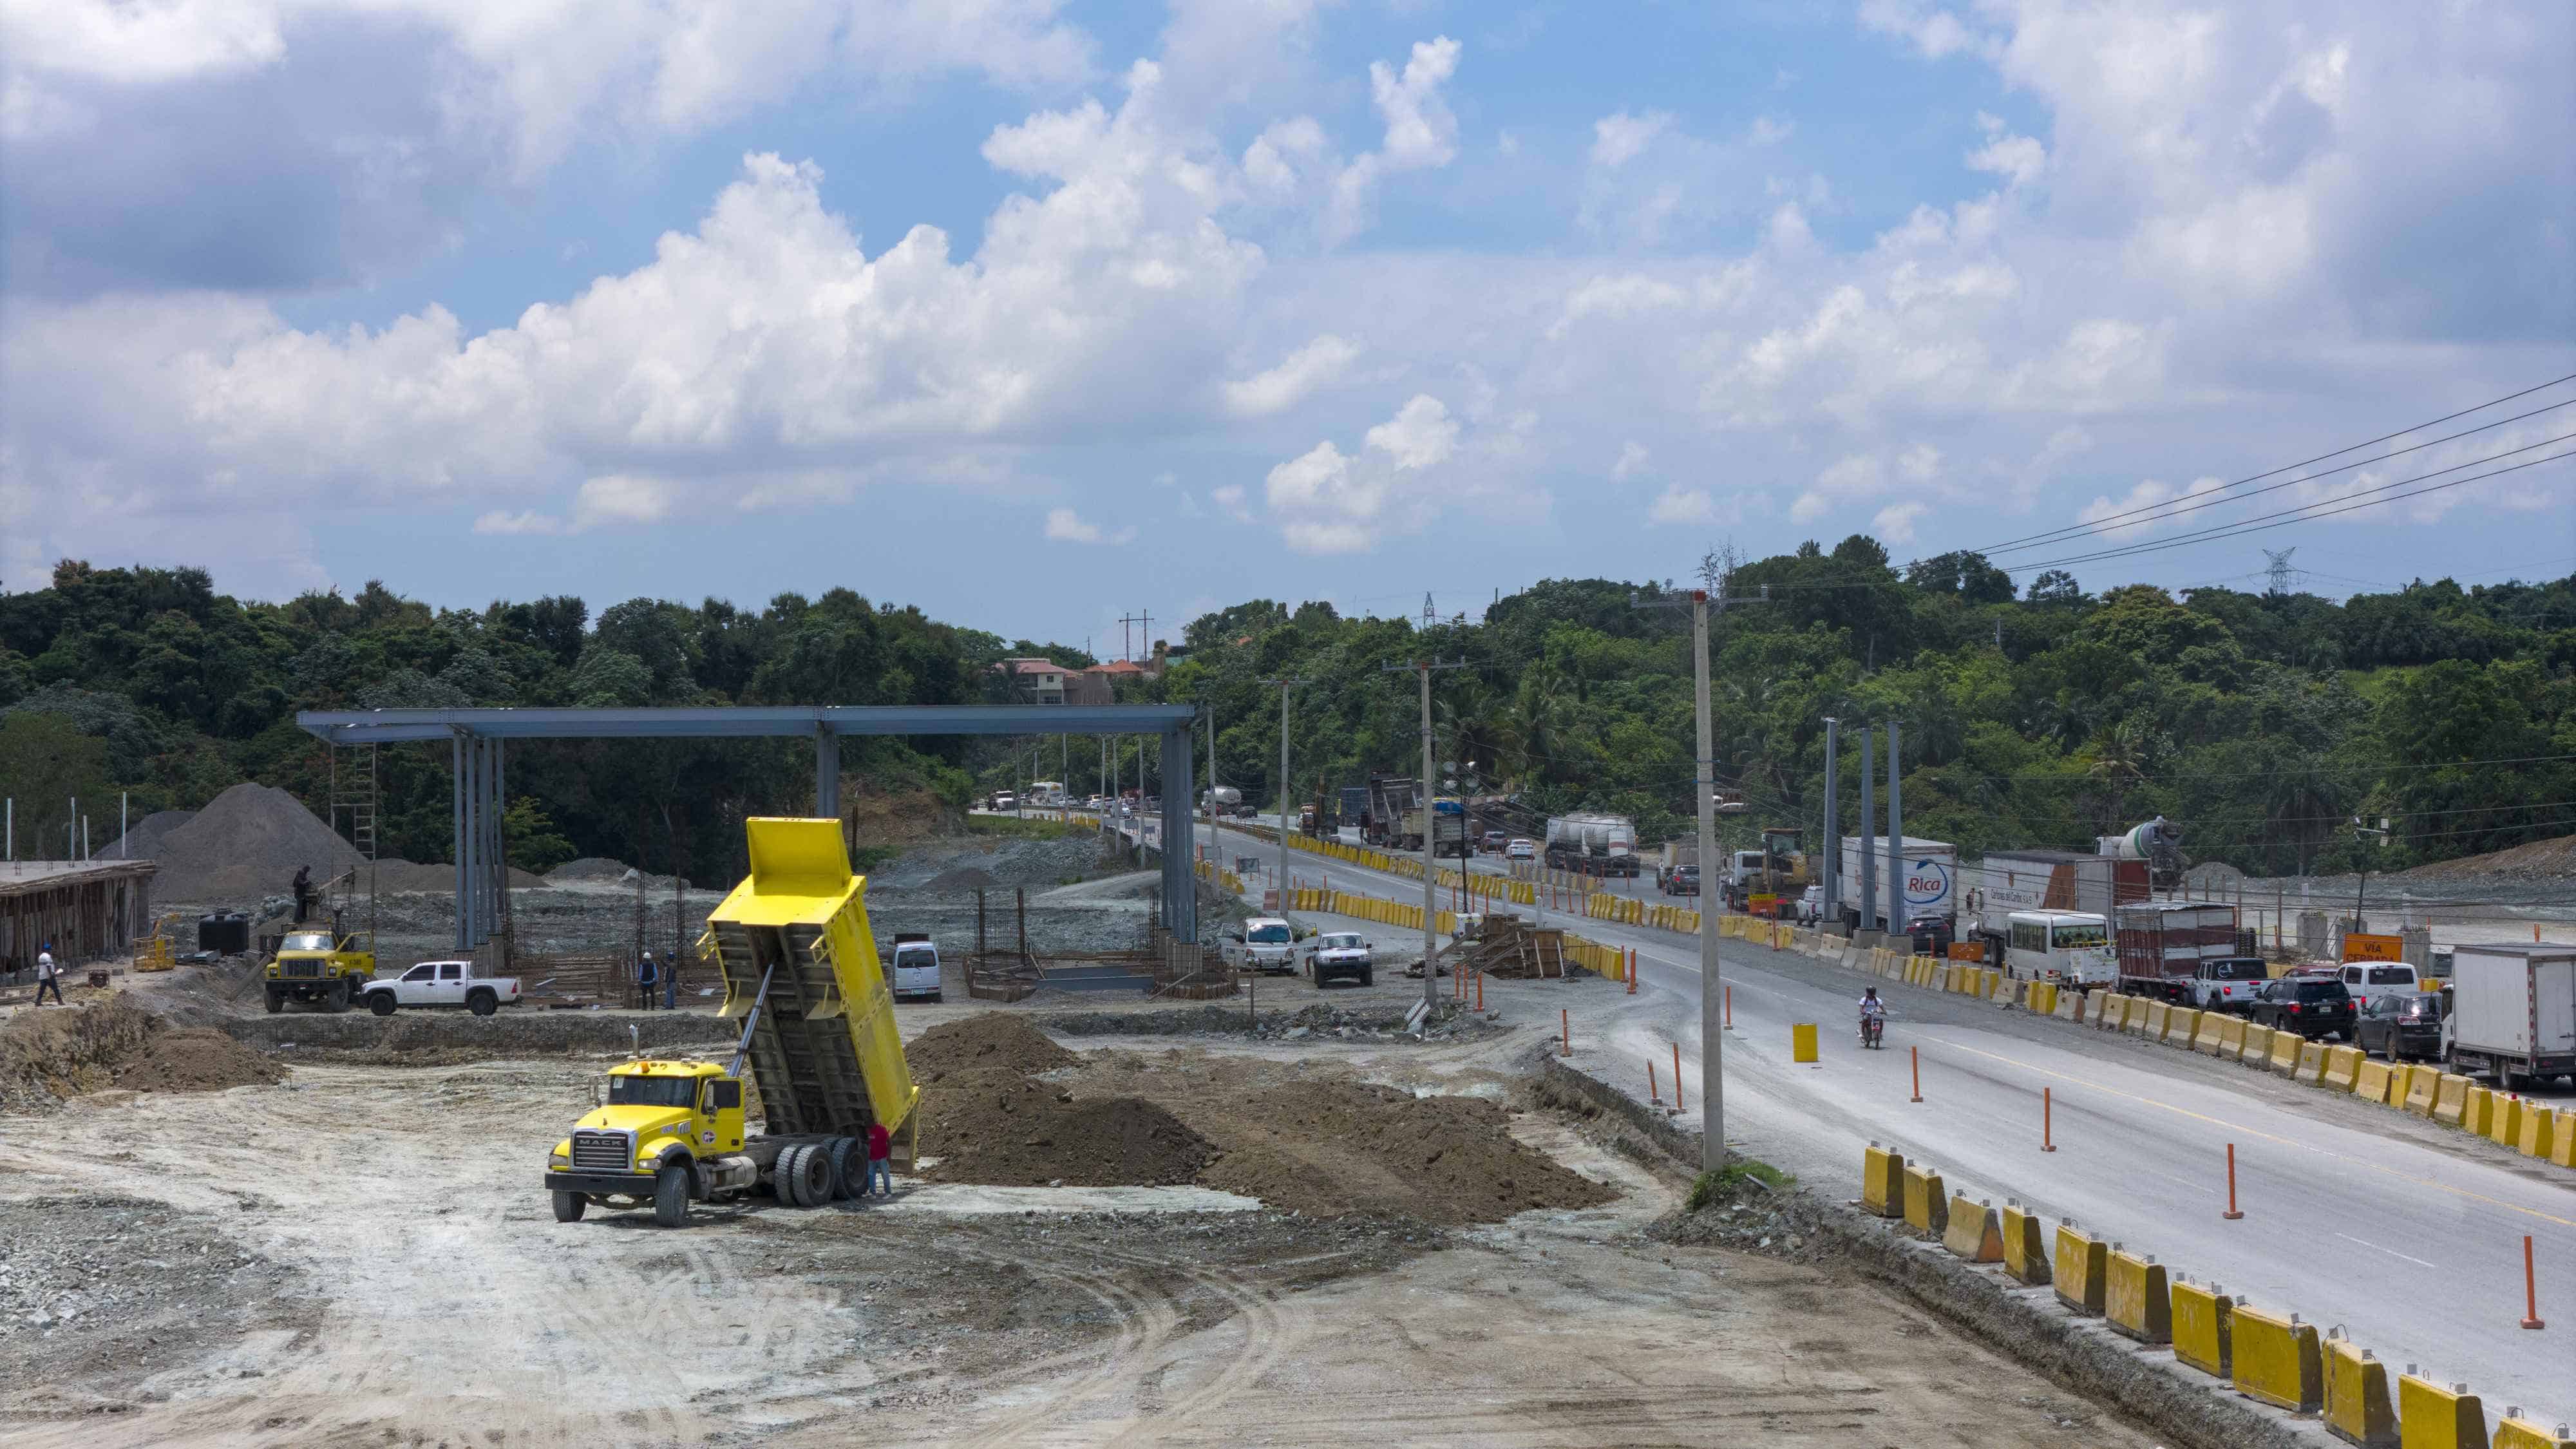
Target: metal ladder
<point x="356" y="798"/>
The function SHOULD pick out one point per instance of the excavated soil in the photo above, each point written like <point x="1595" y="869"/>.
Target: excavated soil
<point x="1002" y="1104"/>
<point x="196" y="1059"/>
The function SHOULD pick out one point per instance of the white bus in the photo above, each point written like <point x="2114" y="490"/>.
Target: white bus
<point x="2070" y="947"/>
<point x="1046" y="794"/>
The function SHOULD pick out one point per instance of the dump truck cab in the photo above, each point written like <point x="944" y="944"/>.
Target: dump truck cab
<point x="802" y="974"/>
<point x="318" y="966"/>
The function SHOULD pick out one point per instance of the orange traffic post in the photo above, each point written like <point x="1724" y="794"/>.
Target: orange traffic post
<point x="2046" y="1127"/>
<point x="1677" y="1076"/>
<point x="2530" y="1289"/>
<point x="1565" y="1033"/>
<point x="2232" y="1214"/>
<point x="1730" y="1006"/>
<point x="1653" y="1097"/>
<point x="1917" y="1054"/>
<point x="1480" y="991"/>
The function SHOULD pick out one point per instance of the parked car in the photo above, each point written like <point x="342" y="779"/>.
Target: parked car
<point x="1811" y="906"/>
<point x="916" y="966"/>
<point x="443" y="983"/>
<point x="1520" y="848"/>
<point x="1493" y="843"/>
<point x="1681" y="880"/>
<point x="2312" y="1006"/>
<point x="2229" y="983"/>
<point x="2369" y="980"/>
<point x="2400" y="1025"/>
<point x="1338" y="955"/>
<point x="1266" y="943"/>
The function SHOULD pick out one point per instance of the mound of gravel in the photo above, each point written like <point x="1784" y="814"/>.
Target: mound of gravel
<point x="195" y="1059"/>
<point x="247" y="843"/>
<point x="143" y="841"/>
<point x="48" y="1056"/>
<point x="998" y="1127"/>
<point x="987" y="1041"/>
<point x="1329" y="1148"/>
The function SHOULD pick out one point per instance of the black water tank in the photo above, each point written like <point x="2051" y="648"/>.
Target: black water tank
<point x="225" y="933"/>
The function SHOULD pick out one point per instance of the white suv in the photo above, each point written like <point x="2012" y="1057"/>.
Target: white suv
<point x="1266" y="944"/>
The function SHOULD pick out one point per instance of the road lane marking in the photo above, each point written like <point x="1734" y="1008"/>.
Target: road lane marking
<point x="2392" y="1252"/>
<point x="2256" y="1132"/>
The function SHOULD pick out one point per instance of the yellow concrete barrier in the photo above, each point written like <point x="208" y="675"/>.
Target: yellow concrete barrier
<point x="2285" y="1053"/>
<point x="1802" y="1041"/>
<point x="2135" y="1300"/>
<point x="2357" y="1407"/>
<point x="2504" y="1120"/>
<point x="1992" y="984"/>
<point x="2312" y="1064"/>
<point x="2151" y="1022"/>
<point x="2481" y="1111"/>
<point x="2517" y="1433"/>
<point x="2180" y="1023"/>
<point x="2258" y="1045"/>
<point x="2341" y="1063"/>
<point x="2450" y="1105"/>
<point x="2025" y="1245"/>
<point x="2562" y="1140"/>
<point x="2277" y="1361"/>
<point x="2204" y="1032"/>
<point x="1975" y="1232"/>
<point x="2435" y="1416"/>
<point x="2078" y="1266"/>
<point x="2114" y="1014"/>
<point x="2070" y="1007"/>
<point x="2203" y="1323"/>
<point x="1927" y="1210"/>
<point x="1882" y="1182"/>
<point x="2043" y="998"/>
<point x="2370" y="1081"/>
<point x="2401" y="1080"/>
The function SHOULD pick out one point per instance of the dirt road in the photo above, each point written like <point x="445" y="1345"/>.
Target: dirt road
<point x="380" y="1268"/>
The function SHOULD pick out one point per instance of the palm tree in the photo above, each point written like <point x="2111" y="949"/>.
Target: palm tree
<point x="2118" y="759"/>
<point x="1542" y="724"/>
<point x="1471" y="720"/>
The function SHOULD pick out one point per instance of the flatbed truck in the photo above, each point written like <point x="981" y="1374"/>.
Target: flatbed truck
<point x="801" y="971"/>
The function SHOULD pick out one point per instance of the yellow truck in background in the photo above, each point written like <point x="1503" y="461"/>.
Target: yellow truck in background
<point x="800" y="968"/>
<point x="324" y="968"/>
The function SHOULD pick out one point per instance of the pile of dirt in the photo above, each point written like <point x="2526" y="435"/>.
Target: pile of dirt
<point x="1329" y="1148"/>
<point x="898" y="817"/>
<point x="248" y="843"/>
<point x="964" y="878"/>
<point x="48" y="1056"/>
<point x="195" y="1059"/>
<point x="143" y="840"/>
<point x="996" y="1126"/>
<point x="2538" y="860"/>
<point x="988" y="1041"/>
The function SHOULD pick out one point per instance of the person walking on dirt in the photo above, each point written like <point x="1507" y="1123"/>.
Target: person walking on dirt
<point x="644" y="981"/>
<point x="303" y="893"/>
<point x="47" y="979"/>
<point x="880" y="1166"/>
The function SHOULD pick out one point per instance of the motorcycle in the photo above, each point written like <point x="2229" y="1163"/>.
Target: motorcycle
<point x="1873" y="1029"/>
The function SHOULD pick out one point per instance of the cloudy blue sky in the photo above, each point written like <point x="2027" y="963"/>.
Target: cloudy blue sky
<point x="1039" y="312"/>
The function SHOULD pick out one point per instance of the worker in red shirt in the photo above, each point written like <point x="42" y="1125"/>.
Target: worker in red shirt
<point x="880" y="1176"/>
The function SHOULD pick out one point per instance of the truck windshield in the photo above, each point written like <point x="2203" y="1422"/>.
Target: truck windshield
<point x="652" y="1091"/>
<point x="915" y="956"/>
<point x="2064" y="936"/>
<point x="306" y="941"/>
<point x="1269" y="935"/>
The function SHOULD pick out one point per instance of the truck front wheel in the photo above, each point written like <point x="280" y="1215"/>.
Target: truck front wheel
<point x="483" y="1003"/>
<point x="569" y="1206"/>
<point x="382" y="1004"/>
<point x="276" y="1001"/>
<point x="670" y="1196"/>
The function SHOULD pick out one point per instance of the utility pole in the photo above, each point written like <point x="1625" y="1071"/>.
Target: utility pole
<point x="1829" y="845"/>
<point x="1284" y="685"/>
<point x="1896" y="871"/>
<point x="1430" y="829"/>
<point x="1868" y="820"/>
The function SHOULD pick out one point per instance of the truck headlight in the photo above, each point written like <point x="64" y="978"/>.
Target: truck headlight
<point x="559" y="1159"/>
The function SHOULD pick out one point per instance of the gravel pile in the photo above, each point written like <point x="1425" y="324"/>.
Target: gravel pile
<point x="249" y="842"/>
<point x="76" y="1270"/>
<point x="143" y="841"/>
<point x="987" y="1041"/>
<point x="195" y="1059"/>
<point x="48" y="1056"/>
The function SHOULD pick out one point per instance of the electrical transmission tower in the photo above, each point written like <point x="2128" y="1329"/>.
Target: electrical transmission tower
<point x="2281" y="570"/>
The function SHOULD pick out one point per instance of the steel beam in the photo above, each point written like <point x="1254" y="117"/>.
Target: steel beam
<point x="1180" y="838"/>
<point x="456" y="776"/>
<point x="393" y="726"/>
<point x="827" y="773"/>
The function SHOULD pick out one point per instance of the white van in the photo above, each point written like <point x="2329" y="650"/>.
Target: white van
<point x="2363" y="980"/>
<point x="1267" y="944"/>
<point x="916" y="967"/>
<point x="2072" y="947"/>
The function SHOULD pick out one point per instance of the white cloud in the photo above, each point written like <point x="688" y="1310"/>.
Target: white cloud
<point x="2148" y="494"/>
<point x="526" y="521"/>
<point x="1935" y="32"/>
<point x="1632" y="461"/>
<point x="1920" y="463"/>
<point x="1314" y="365"/>
<point x="2017" y="159"/>
<point x="1327" y="501"/>
<point x="1063" y="525"/>
<point x="1618" y="138"/>
<point x="1420" y="133"/>
<point x="1895" y="522"/>
<point x="1232" y="499"/>
<point x="1677" y="504"/>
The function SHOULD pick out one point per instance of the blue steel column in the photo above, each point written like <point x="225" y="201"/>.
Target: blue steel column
<point x="1180" y="839"/>
<point x="456" y="774"/>
<point x="1868" y="851"/>
<point x="1896" y="871"/>
<point x="827" y="773"/>
<point x="469" y="845"/>
<point x="1829" y="850"/>
<point x="498" y="870"/>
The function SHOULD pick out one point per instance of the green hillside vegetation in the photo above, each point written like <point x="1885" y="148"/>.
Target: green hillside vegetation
<point x="2033" y="717"/>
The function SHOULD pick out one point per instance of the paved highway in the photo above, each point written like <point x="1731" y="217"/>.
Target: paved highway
<point x="2407" y="1233"/>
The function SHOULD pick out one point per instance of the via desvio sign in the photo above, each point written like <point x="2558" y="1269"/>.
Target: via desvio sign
<point x="1927" y="886"/>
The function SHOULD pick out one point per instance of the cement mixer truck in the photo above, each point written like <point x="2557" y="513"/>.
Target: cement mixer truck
<point x="800" y="969"/>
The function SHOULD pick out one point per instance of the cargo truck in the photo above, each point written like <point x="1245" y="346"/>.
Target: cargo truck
<point x="1928" y="897"/>
<point x="800" y="969"/>
<point x="2163" y="943"/>
<point x="2008" y="882"/>
<point x="1770" y="878"/>
<point x="1389" y="797"/>
<point x="1592" y="844"/>
<point x="2513" y="1013"/>
<point x="1448" y="829"/>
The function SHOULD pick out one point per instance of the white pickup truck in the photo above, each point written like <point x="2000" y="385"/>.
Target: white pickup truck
<point x="442" y="983"/>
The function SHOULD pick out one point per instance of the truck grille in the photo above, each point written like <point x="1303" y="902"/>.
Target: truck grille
<point x="302" y="969"/>
<point x="594" y="1150"/>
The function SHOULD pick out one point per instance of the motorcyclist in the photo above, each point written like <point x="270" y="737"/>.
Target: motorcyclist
<point x="1871" y="1010"/>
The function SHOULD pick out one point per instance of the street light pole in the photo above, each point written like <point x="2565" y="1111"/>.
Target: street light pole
<point x="1284" y="686"/>
<point x="1712" y="1037"/>
<point x="1430" y="854"/>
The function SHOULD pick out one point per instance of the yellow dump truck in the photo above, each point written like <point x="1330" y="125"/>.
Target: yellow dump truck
<point x="800" y="968"/>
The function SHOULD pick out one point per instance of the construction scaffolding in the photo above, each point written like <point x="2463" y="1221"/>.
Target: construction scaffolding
<point x="84" y="910"/>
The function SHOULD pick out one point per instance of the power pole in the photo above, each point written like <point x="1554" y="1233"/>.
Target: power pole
<point x="1829" y="844"/>
<point x="1430" y="828"/>
<point x="1284" y="685"/>
<point x="1868" y="819"/>
<point x="1895" y="834"/>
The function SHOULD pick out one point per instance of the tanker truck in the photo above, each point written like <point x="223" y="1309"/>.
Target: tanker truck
<point x="1592" y="844"/>
<point x="800" y="970"/>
